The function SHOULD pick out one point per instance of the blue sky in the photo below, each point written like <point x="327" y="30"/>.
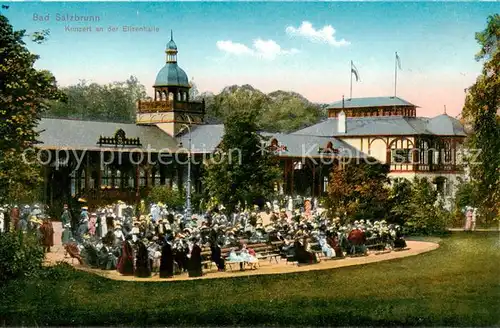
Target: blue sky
<point x="271" y="45"/>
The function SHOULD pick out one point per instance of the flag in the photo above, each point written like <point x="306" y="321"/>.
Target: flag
<point x="398" y="61"/>
<point x="354" y="71"/>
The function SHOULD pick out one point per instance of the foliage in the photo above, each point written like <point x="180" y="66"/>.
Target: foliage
<point x="466" y="195"/>
<point x="481" y="114"/>
<point x="399" y="201"/>
<point x="243" y="171"/>
<point x="24" y="95"/>
<point x="166" y="195"/>
<point x="21" y="255"/>
<point x="426" y="213"/>
<point x="421" y="290"/>
<point x="358" y="191"/>
<point x="281" y="111"/>
<point x="113" y="102"/>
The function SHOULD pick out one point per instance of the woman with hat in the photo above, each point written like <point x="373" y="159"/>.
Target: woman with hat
<point x="126" y="261"/>
<point x="195" y="267"/>
<point x="142" y="264"/>
<point x="47" y="234"/>
<point x="167" y="259"/>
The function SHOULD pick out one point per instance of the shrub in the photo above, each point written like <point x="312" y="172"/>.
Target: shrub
<point x="21" y="255"/>
<point x="427" y="214"/>
<point x="166" y="195"/>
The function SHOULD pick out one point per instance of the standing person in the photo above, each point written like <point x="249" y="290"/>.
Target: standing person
<point x="474" y="218"/>
<point x="92" y="224"/>
<point x="126" y="261"/>
<point x="468" y="219"/>
<point x="217" y="255"/>
<point x="195" y="267"/>
<point x="66" y="237"/>
<point x="142" y="265"/>
<point x="167" y="259"/>
<point x="66" y="216"/>
<point x="83" y="225"/>
<point x="47" y="234"/>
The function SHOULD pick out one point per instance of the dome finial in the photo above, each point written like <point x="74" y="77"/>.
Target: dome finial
<point x="171" y="35"/>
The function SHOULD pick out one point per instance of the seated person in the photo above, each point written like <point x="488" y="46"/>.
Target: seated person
<point x="248" y="255"/>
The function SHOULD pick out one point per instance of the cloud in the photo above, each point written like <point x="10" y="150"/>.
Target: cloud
<point x="324" y="35"/>
<point x="265" y="49"/>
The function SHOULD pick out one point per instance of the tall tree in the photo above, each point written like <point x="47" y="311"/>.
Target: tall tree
<point x="24" y="93"/>
<point x="358" y="191"/>
<point x="481" y="113"/>
<point x="243" y="171"/>
<point x="114" y="102"/>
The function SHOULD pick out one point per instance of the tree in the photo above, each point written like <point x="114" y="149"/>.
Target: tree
<point x="358" y="191"/>
<point x="281" y="111"/>
<point x="399" y="201"/>
<point x="243" y="171"/>
<point x="115" y="102"/>
<point x="426" y="214"/>
<point x="24" y="95"/>
<point x="481" y="113"/>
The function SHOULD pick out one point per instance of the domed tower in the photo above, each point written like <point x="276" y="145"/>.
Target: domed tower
<point x="171" y="107"/>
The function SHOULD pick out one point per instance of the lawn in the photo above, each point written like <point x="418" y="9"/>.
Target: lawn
<point x="456" y="285"/>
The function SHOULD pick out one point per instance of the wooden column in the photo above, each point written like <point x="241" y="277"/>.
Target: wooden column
<point x="87" y="173"/>
<point x="291" y="183"/>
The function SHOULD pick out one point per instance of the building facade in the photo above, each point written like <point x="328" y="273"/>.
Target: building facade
<point x="105" y="161"/>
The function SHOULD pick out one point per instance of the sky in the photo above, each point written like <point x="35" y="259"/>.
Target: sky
<point x="306" y="47"/>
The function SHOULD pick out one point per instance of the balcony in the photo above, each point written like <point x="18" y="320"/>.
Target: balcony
<point x="153" y="106"/>
<point x="97" y="197"/>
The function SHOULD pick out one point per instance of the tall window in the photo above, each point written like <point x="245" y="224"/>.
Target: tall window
<point x="142" y="177"/>
<point x="82" y="181"/>
<point x="118" y="179"/>
<point x="73" y="183"/>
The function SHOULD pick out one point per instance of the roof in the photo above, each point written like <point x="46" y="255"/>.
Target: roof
<point x="204" y="138"/>
<point x="171" y="75"/>
<point x="386" y="125"/>
<point x="308" y="146"/>
<point x="371" y="102"/>
<point x="76" y="134"/>
<point x="446" y="125"/>
<point x="171" y="44"/>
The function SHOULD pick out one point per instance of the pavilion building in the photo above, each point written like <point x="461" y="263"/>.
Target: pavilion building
<point x="106" y="161"/>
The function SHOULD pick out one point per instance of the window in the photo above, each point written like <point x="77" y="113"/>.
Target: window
<point x="325" y="183"/>
<point x="400" y="155"/>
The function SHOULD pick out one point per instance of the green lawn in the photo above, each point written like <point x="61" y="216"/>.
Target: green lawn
<point x="457" y="285"/>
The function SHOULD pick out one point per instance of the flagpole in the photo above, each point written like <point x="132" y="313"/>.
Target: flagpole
<point x="395" y="73"/>
<point x="350" y="94"/>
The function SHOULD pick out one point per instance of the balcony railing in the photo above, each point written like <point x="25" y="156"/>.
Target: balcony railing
<point x="426" y="167"/>
<point x="153" y="106"/>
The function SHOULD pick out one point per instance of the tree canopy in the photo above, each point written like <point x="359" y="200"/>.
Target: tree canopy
<point x="243" y="171"/>
<point x="481" y="113"/>
<point x="114" y="102"/>
<point x="24" y="95"/>
<point x="358" y="191"/>
<point x="280" y="111"/>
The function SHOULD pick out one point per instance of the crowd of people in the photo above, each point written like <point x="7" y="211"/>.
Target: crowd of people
<point x="151" y="237"/>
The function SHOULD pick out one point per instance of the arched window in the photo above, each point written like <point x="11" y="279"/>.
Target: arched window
<point x="170" y="96"/>
<point x="185" y="96"/>
<point x="179" y="96"/>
